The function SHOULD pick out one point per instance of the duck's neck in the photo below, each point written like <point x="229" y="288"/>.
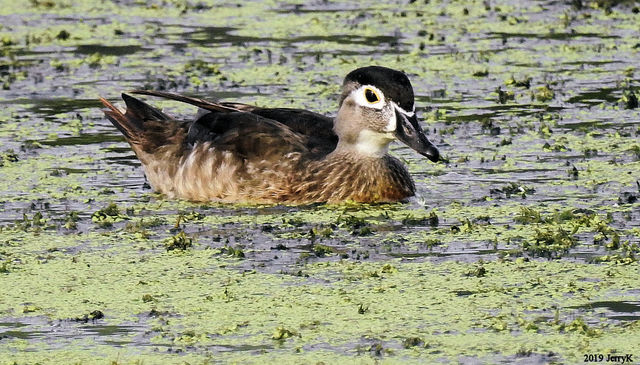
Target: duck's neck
<point x="367" y="144"/>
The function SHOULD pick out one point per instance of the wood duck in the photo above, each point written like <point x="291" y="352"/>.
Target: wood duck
<point x="242" y="153"/>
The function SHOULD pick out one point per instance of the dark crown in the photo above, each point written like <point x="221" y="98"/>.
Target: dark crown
<point x="394" y="84"/>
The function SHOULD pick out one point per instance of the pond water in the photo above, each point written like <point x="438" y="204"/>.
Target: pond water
<point x="521" y="247"/>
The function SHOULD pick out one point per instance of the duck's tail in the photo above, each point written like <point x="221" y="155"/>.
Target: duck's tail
<point x="132" y="122"/>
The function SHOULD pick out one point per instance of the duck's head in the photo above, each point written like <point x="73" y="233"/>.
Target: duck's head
<point x="377" y="107"/>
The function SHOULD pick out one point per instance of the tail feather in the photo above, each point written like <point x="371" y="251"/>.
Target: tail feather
<point x="140" y="110"/>
<point x="200" y="103"/>
<point x="131" y="122"/>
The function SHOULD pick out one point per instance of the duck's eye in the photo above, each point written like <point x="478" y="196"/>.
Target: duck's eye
<point x="371" y="96"/>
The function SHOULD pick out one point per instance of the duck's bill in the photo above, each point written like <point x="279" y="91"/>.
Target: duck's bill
<point x="409" y="132"/>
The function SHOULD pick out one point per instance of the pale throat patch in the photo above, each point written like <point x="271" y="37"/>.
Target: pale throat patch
<point x="372" y="143"/>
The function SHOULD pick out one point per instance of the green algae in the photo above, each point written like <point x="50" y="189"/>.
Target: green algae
<point x="420" y="291"/>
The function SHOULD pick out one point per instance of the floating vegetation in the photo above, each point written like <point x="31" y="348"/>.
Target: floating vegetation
<point x="357" y="226"/>
<point x="629" y="98"/>
<point x="430" y="220"/>
<point x="523" y="83"/>
<point x="92" y="316"/>
<point x="550" y="242"/>
<point x="8" y="157"/>
<point x="513" y="189"/>
<point x="233" y="251"/>
<point x="478" y="271"/>
<point x="71" y="220"/>
<point x="544" y="94"/>
<point x="412" y="342"/>
<point x="281" y="333"/>
<point x="579" y="326"/>
<point x="108" y="215"/>
<point x="179" y="242"/>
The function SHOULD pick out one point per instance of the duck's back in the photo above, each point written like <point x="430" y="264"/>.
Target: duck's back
<point x="235" y="152"/>
<point x="263" y="133"/>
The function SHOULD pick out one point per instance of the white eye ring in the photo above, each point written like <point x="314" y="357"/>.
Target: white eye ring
<point x="369" y="96"/>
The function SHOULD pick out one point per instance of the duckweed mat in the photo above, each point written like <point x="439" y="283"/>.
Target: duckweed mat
<point x="521" y="247"/>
